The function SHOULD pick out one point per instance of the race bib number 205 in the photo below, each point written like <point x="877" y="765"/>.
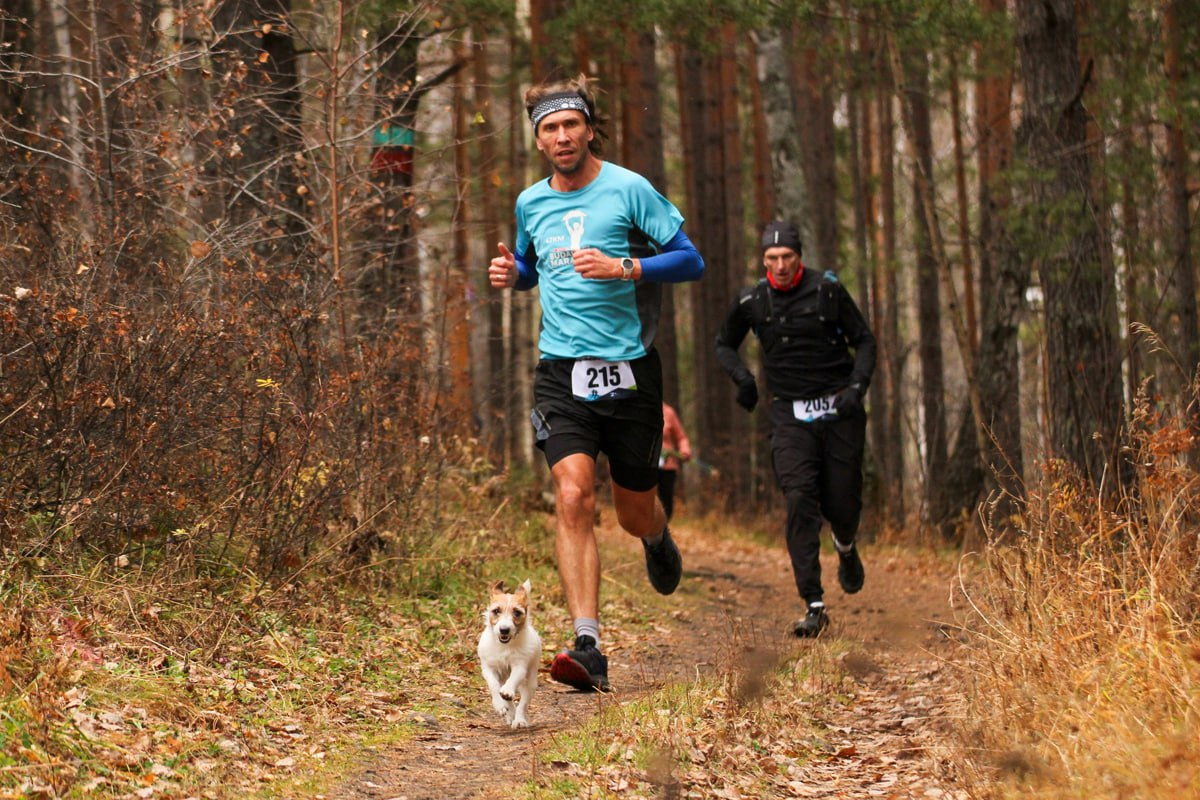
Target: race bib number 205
<point x="594" y="378"/>
<point x="809" y="410"/>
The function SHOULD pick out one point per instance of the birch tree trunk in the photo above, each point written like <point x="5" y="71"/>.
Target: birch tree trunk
<point x="454" y="310"/>
<point x="69" y="110"/>
<point x="783" y="139"/>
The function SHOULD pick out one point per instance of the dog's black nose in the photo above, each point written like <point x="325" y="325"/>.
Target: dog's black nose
<point x="505" y="630"/>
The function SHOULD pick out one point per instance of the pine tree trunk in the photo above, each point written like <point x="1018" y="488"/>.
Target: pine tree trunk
<point x="891" y="352"/>
<point x="551" y="58"/>
<point x="929" y="311"/>
<point x="642" y="151"/>
<point x="861" y="136"/>
<point x="708" y="92"/>
<point x="813" y="103"/>
<point x="1003" y="278"/>
<point x="1083" y="361"/>
<point x="1180" y="286"/>
<point x="262" y="178"/>
<point x="492" y="378"/>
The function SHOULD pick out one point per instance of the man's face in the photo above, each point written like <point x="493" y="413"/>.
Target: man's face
<point x="783" y="263"/>
<point x="563" y="136"/>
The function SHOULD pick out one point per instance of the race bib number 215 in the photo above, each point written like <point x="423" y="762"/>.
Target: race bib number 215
<point x="594" y="378"/>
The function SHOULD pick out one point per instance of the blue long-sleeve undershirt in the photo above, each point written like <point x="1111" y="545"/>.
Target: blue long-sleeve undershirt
<point x="679" y="261"/>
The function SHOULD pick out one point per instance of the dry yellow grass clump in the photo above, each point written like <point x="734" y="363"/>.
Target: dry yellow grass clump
<point x="1083" y="672"/>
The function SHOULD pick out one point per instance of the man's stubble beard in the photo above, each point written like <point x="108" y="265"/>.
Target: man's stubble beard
<point x="569" y="171"/>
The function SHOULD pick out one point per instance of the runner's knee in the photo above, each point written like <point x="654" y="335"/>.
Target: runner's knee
<point x="572" y="494"/>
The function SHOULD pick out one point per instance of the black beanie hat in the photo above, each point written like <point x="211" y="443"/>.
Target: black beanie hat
<point x="781" y="234"/>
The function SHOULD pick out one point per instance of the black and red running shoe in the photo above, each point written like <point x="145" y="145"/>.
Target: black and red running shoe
<point x="584" y="668"/>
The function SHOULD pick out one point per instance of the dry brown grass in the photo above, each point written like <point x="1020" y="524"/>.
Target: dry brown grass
<point x="130" y="678"/>
<point x="1083" y="663"/>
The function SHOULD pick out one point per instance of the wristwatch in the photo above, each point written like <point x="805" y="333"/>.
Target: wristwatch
<point x="627" y="269"/>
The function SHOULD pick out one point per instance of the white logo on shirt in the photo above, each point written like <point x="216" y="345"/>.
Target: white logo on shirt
<point x="574" y="222"/>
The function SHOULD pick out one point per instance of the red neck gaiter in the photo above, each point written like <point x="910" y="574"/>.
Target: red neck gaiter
<point x="795" y="281"/>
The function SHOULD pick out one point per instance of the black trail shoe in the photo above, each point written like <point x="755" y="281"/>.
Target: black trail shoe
<point x="850" y="571"/>
<point x="815" y="621"/>
<point x="664" y="564"/>
<point x="584" y="668"/>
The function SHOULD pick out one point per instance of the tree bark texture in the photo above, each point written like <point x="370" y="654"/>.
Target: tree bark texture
<point x="642" y="151"/>
<point x="257" y="52"/>
<point x="491" y="377"/>
<point x="1060" y="232"/>
<point x="1003" y="279"/>
<point x="929" y="309"/>
<point x="892" y="355"/>
<point x="708" y="92"/>
<point x="813" y="104"/>
<point x="1184" y="335"/>
<point x="783" y="139"/>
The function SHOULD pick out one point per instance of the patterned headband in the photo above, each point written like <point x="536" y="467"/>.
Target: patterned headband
<point x="559" y="101"/>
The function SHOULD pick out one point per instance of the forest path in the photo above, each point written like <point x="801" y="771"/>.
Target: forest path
<point x="737" y="597"/>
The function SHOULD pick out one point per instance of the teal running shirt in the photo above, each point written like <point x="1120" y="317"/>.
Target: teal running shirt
<point x="616" y="214"/>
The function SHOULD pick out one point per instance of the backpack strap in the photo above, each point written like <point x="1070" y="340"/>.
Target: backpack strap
<point x="828" y="298"/>
<point x="762" y="311"/>
<point x="759" y="298"/>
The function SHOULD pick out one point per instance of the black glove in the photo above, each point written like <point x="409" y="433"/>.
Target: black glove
<point x="848" y="402"/>
<point x="747" y="393"/>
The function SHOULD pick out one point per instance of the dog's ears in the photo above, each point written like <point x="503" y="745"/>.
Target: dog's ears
<point x="498" y="588"/>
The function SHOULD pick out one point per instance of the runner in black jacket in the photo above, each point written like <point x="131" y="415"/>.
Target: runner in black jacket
<point x="807" y="325"/>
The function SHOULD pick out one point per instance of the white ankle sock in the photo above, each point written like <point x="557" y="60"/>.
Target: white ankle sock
<point x="586" y="626"/>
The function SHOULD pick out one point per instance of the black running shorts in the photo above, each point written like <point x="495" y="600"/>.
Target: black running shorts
<point x="628" y="430"/>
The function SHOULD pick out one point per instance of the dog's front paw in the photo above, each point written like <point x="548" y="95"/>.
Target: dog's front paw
<point x="519" y="721"/>
<point x="503" y="708"/>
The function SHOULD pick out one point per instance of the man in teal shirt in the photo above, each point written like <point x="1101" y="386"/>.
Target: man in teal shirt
<point x="598" y="240"/>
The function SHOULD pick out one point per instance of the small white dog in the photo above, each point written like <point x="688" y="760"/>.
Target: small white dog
<point x="510" y="652"/>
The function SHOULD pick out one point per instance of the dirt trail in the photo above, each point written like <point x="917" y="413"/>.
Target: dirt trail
<point x="885" y="743"/>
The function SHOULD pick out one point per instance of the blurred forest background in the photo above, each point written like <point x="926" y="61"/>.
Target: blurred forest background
<point x="243" y="247"/>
